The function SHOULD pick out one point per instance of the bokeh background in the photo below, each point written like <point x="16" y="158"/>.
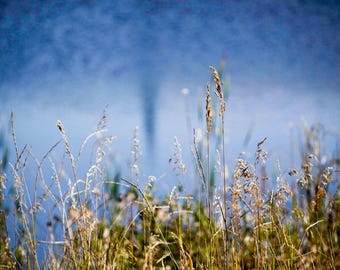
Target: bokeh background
<point x="68" y="60"/>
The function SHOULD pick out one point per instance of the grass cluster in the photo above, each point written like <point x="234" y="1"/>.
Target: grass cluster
<point x="242" y="220"/>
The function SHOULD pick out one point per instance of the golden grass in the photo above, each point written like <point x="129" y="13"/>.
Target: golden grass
<point x="249" y="221"/>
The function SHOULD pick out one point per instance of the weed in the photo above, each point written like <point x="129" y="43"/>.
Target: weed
<point x="249" y="221"/>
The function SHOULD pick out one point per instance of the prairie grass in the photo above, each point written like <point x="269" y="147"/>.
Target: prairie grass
<point x="248" y="220"/>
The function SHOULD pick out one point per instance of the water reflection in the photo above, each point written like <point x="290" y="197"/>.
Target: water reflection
<point x="72" y="59"/>
<point x="149" y="104"/>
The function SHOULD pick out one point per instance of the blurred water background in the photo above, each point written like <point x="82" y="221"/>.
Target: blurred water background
<point x="68" y="60"/>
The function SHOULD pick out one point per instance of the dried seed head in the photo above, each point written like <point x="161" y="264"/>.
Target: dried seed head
<point x="261" y="154"/>
<point x="217" y="81"/>
<point x="219" y="91"/>
<point x="261" y="142"/>
<point x="103" y="120"/>
<point x="96" y="191"/>
<point x="208" y="108"/>
<point x="74" y="213"/>
<point x="60" y="126"/>
<point x="293" y="172"/>
<point x="177" y="160"/>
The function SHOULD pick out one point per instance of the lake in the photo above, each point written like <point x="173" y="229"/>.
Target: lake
<point x="69" y="60"/>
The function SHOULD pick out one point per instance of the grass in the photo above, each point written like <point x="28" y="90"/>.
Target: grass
<point x="249" y="221"/>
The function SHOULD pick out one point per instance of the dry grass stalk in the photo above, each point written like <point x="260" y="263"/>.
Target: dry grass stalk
<point x="209" y="120"/>
<point x="150" y="208"/>
<point x="135" y="155"/>
<point x="199" y="166"/>
<point x="26" y="207"/>
<point x="219" y="90"/>
<point x="177" y="160"/>
<point x="13" y="136"/>
<point x="208" y="108"/>
<point x="259" y="228"/>
<point x="67" y="148"/>
<point x="219" y="93"/>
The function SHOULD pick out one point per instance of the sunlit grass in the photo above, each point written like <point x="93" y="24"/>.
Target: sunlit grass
<point x="96" y="221"/>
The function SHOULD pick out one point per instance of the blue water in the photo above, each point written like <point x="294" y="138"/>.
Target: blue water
<point x="68" y="60"/>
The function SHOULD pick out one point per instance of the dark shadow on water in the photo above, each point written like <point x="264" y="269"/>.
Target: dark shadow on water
<point x="149" y="96"/>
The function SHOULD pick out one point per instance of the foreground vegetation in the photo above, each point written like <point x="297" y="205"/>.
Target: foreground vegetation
<point x="245" y="220"/>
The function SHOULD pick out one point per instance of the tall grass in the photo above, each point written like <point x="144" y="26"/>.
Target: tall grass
<point x="248" y="221"/>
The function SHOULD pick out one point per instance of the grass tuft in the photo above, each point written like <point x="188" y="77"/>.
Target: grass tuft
<point x="63" y="218"/>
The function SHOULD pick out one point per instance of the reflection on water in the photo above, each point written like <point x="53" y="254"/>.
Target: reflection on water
<point x="149" y="101"/>
<point x="63" y="60"/>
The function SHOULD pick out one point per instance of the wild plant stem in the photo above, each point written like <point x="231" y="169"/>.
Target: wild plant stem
<point x="208" y="175"/>
<point x="224" y="193"/>
<point x="153" y="217"/>
<point x="208" y="194"/>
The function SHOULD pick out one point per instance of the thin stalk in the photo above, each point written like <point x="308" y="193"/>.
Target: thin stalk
<point x="224" y="194"/>
<point x="208" y="118"/>
<point x="153" y="217"/>
<point x="219" y="93"/>
<point x="208" y="195"/>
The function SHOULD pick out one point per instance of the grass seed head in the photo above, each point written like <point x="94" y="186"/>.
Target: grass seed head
<point x="219" y="91"/>
<point x="208" y="108"/>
